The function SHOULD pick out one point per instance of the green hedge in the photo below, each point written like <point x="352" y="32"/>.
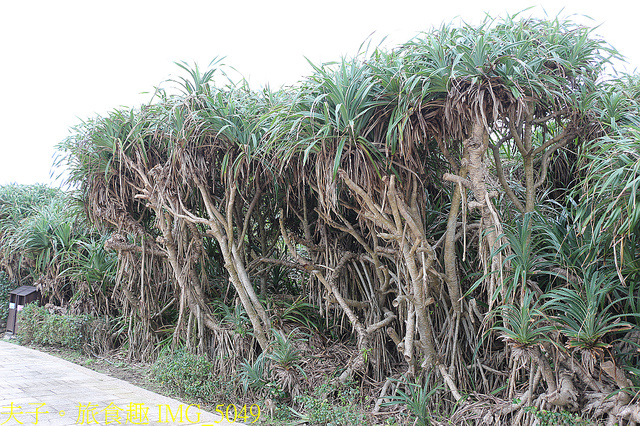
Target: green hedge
<point x="36" y="324"/>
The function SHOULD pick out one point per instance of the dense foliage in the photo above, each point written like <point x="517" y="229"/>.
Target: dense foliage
<point x="38" y="325"/>
<point x="6" y="287"/>
<point x="452" y="224"/>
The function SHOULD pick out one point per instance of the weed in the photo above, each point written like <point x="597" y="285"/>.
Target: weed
<point x="549" y="418"/>
<point x="416" y="398"/>
<point x="254" y="375"/>
<point x="331" y="404"/>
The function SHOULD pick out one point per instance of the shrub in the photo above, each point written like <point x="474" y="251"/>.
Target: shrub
<point x="36" y="324"/>
<point x="187" y="374"/>
<point x="6" y="287"/>
<point x="331" y="404"/>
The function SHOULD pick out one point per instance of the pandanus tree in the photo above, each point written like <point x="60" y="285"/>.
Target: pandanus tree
<point x="18" y="203"/>
<point x="517" y="92"/>
<point x="215" y="161"/>
<point x="107" y="158"/>
<point x="486" y="108"/>
<point x="45" y="241"/>
<point x="172" y="175"/>
<point x="537" y="90"/>
<point x="405" y="185"/>
<point x="323" y="132"/>
<point x="611" y="168"/>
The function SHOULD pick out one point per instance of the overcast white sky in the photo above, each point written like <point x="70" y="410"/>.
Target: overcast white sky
<point x="63" y="61"/>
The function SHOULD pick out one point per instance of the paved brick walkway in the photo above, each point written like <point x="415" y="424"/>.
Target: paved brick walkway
<point x="38" y="388"/>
